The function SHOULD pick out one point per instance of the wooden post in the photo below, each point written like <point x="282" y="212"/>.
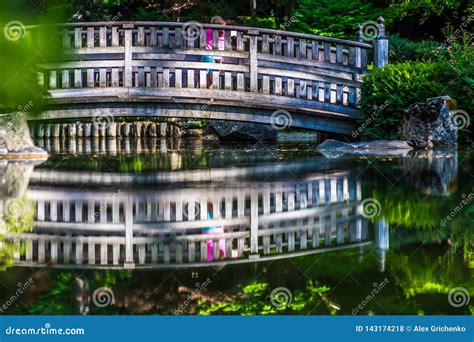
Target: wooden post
<point x="380" y="45"/>
<point x="253" y="60"/>
<point x="382" y="237"/>
<point x="127" y="71"/>
<point x="129" y="261"/>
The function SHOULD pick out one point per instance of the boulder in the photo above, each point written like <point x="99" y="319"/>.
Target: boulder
<point x="15" y="139"/>
<point x="243" y="131"/>
<point x="335" y="148"/>
<point x="429" y="124"/>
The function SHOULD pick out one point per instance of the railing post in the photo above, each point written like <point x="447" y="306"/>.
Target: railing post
<point x="127" y="70"/>
<point x="128" y="208"/>
<point x="254" y="226"/>
<point x="253" y="60"/>
<point x="380" y="45"/>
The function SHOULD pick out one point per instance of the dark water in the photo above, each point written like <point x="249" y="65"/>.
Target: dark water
<point x="195" y="227"/>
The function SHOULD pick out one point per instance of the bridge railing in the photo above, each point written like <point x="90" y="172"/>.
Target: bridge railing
<point x="154" y="59"/>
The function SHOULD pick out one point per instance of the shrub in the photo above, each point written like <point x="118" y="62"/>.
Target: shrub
<point x="403" y="50"/>
<point x="386" y="93"/>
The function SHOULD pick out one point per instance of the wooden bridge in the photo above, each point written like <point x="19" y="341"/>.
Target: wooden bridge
<point x="155" y="69"/>
<point x="106" y="225"/>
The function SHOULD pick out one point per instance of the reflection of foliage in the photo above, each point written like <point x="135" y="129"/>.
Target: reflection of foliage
<point x="420" y="273"/>
<point x="254" y="299"/>
<point x="59" y="298"/>
<point x="15" y="224"/>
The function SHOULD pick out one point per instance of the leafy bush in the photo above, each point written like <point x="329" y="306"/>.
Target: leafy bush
<point x="387" y="92"/>
<point x="402" y="49"/>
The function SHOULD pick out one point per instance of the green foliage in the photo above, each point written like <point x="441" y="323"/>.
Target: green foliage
<point x="403" y="50"/>
<point x="333" y="18"/>
<point x="255" y="299"/>
<point x="387" y="92"/>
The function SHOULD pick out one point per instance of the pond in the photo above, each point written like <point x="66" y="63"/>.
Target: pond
<point x="198" y="227"/>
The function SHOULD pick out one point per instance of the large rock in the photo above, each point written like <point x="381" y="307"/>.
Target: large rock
<point x="242" y="131"/>
<point x="15" y="139"/>
<point x="335" y="148"/>
<point x="429" y="124"/>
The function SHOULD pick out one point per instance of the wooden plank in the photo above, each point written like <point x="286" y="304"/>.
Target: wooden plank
<point x="339" y="94"/>
<point x="178" y="37"/>
<point x="90" y="37"/>
<point x="290" y="47"/>
<point x="127" y="71"/>
<point x="253" y="64"/>
<point x="277" y="45"/>
<point x="227" y="40"/>
<point x="77" y="38"/>
<point x="103" y="36"/>
<point x="52" y="79"/>
<point x="166" y="78"/>
<point x="65" y="79"/>
<point x="265" y="43"/>
<point x="140" y="36"/>
<point x="190" y="78"/>
<point x="327" y="92"/>
<point x="141" y="77"/>
<point x="266" y="84"/>
<point x="240" y="82"/>
<point x="228" y="80"/>
<point x="115" y="77"/>
<point x="290" y="87"/>
<point x="178" y="78"/>
<point x="115" y="37"/>
<point x="90" y="78"/>
<point x="303" y="89"/>
<point x="215" y="79"/>
<point x="166" y="37"/>
<point x="102" y="77"/>
<point x="240" y="41"/>
<point x="202" y="79"/>
<point x="302" y="49"/>
<point x="278" y="86"/>
<point x="327" y="52"/>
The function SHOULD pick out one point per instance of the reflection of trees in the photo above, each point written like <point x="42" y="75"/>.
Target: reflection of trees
<point x="255" y="299"/>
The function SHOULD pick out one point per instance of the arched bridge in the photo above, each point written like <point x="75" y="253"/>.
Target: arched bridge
<point x="156" y="69"/>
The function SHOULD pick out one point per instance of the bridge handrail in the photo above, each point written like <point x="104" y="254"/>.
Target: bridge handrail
<point x="260" y="30"/>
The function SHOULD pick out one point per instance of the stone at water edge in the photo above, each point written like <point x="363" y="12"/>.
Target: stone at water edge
<point x="242" y="131"/>
<point x="429" y="124"/>
<point x="15" y="140"/>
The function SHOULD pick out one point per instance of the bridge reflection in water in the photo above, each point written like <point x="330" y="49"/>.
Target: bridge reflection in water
<point x="192" y="218"/>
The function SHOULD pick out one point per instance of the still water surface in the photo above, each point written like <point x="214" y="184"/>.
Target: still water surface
<point x="196" y="227"/>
